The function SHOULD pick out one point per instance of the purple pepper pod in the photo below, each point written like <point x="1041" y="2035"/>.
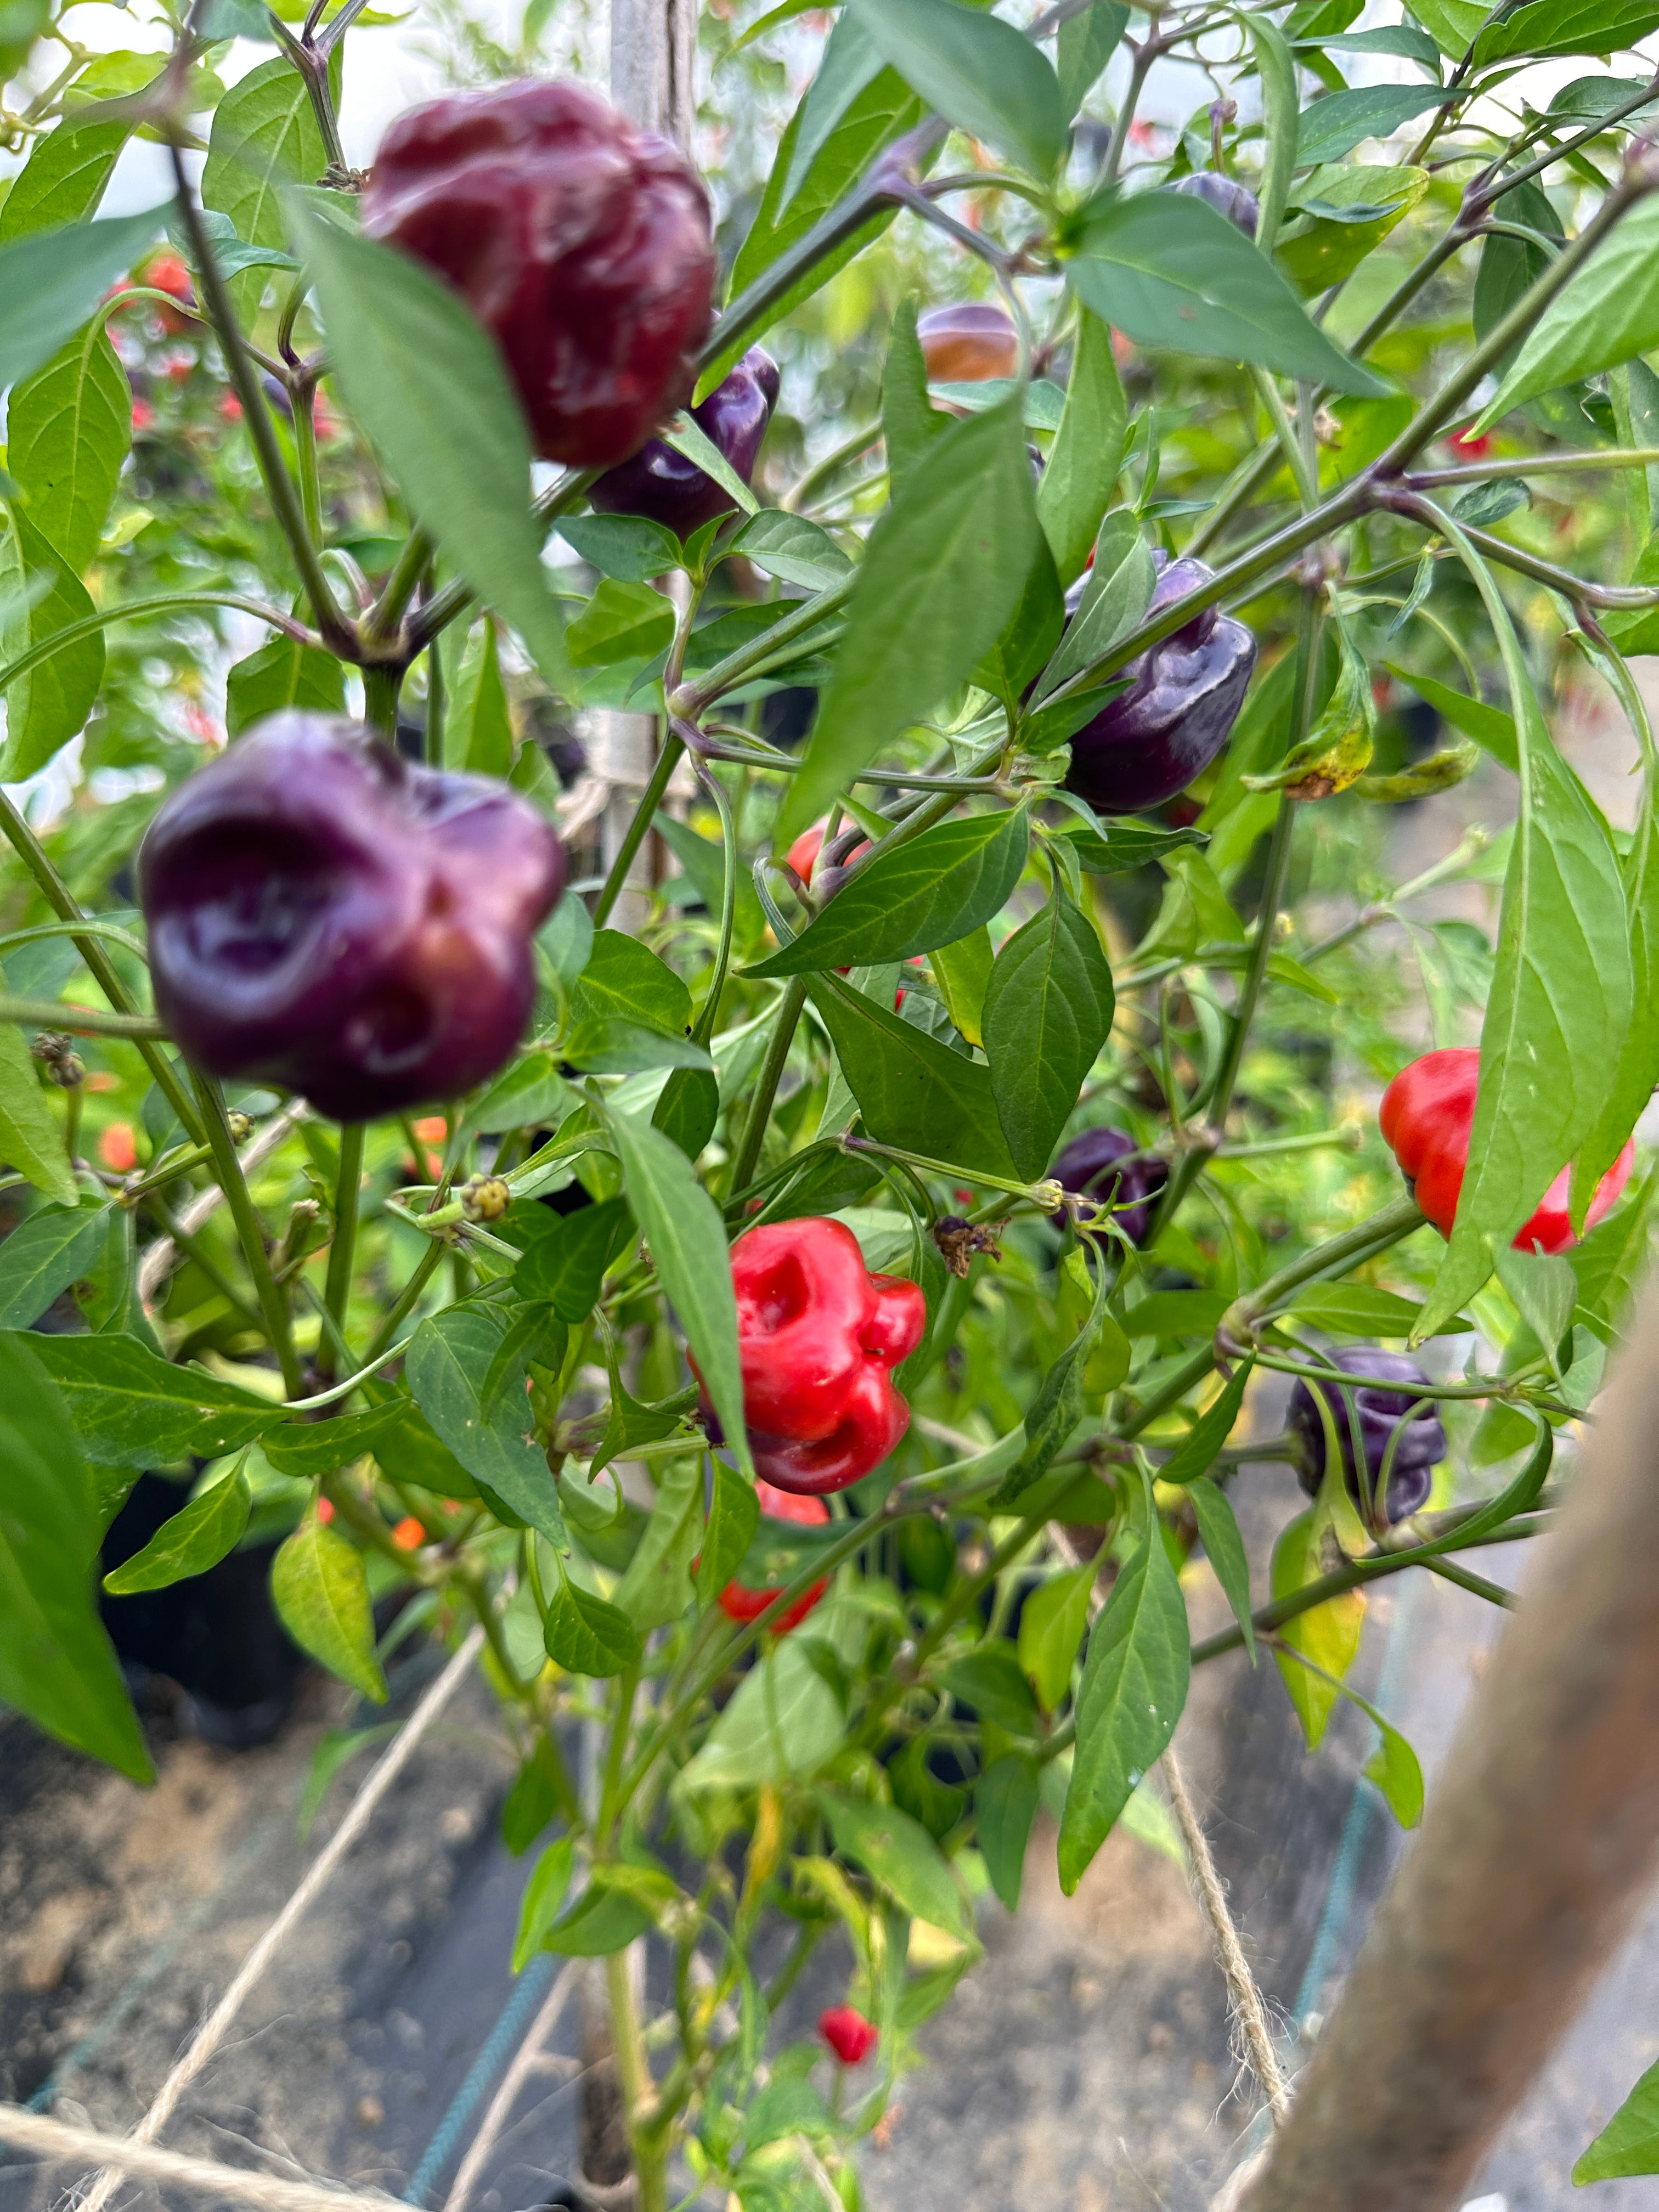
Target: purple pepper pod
<point x="1088" y="1167"/>
<point x="1183" y="698"/>
<point x="1226" y="195"/>
<point x="1390" y="1386"/>
<point x="661" y="484"/>
<point x="328" y="916"/>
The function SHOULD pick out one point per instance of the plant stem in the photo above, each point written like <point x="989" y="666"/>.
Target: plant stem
<point x="639" y="2092"/>
<point x="751" y="308"/>
<point x="337" y="1289"/>
<point x="644" y="814"/>
<point x="1536" y="465"/>
<point x="1509" y="329"/>
<point x="338" y="634"/>
<point x="164" y="603"/>
<point x="766" y="1086"/>
<point x="81" y="1021"/>
<point x="382" y="682"/>
<point x="64" y="904"/>
<point x="273" y="1305"/>
<point x="688" y="701"/>
<point x="421" y="1273"/>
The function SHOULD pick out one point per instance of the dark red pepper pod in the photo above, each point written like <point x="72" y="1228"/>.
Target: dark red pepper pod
<point x="1183" y="698"/>
<point x="819" y="1336"/>
<point x="1387" y="1386"/>
<point x="848" y="2035"/>
<point x="1088" y="1167"/>
<point x="1226" y="195"/>
<point x="659" y="481"/>
<point x="1425" y="1117"/>
<point x="969" y="343"/>
<point x="325" y="915"/>
<point x="583" y="246"/>
<point x="747" y="1601"/>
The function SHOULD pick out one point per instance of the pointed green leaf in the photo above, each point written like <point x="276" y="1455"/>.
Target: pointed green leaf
<point x="1560" y="999"/>
<point x="1135" y="1684"/>
<point x="1051" y="1625"/>
<point x="320" y="1590"/>
<point x="682" y="1227"/>
<point x="899" y="1853"/>
<point x="132" y="1408"/>
<point x="265" y="138"/>
<point x="909" y="420"/>
<point x="68" y="429"/>
<point x="1217" y="1531"/>
<point x="56" y="1666"/>
<point x="938" y="888"/>
<point x="1004" y="1805"/>
<point x="1087" y="453"/>
<point x="1629" y="2144"/>
<point x="448" y="1365"/>
<point x="30" y="1138"/>
<point x="943" y="571"/>
<point x="63" y="180"/>
<point x="909" y="1086"/>
<point x="51" y="280"/>
<point x="565" y="1266"/>
<point x="282" y="673"/>
<point x="404" y="344"/>
<point x="543" y="1898"/>
<point x="1171" y="271"/>
<point x="1196" y="1453"/>
<point x="193" y="1541"/>
<point x="980" y="73"/>
<point x="586" y="1635"/>
<point x="43" y="1256"/>
<point x="48" y="705"/>
<point x="1608" y="314"/>
<point x="734" y="1519"/>
<point x="1048" y="1012"/>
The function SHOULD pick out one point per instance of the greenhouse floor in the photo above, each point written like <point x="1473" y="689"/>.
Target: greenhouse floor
<point x="1084" y="2061"/>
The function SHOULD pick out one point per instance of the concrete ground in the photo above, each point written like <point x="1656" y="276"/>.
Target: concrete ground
<point x="1084" y="2062"/>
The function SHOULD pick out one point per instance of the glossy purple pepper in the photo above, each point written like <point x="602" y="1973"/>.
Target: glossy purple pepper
<point x="1183" y="698"/>
<point x="1226" y="195"/>
<point x="328" y="916"/>
<point x="1389" y="1384"/>
<point x="1088" y="1167"/>
<point x="661" y="484"/>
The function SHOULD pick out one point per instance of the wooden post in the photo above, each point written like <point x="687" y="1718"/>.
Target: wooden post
<point x="1537" y="1848"/>
<point x="653" y="45"/>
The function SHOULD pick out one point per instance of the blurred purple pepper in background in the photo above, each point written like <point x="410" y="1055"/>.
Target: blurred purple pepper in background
<point x="1183" y="698"/>
<point x="1226" y="195"/>
<point x="661" y="484"/>
<point x="1088" y="1167"/>
<point x="1380" y="1411"/>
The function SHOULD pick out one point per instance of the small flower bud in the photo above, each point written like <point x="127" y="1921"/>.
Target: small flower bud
<point x="485" y="1198"/>
<point x="240" y="1125"/>
<point x="57" y="1054"/>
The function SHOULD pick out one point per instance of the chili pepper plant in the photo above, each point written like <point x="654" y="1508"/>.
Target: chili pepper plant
<point x="806" y="1272"/>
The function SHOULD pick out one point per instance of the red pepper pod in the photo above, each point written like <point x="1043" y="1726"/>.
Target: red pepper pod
<point x="1425" y="1117"/>
<point x="819" y="1336"/>
<point x="743" y="1601"/>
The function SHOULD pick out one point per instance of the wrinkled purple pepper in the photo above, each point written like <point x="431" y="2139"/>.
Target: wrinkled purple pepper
<point x="583" y="246"/>
<point x="1226" y="195"/>
<point x="325" y="915"/>
<point x="1183" y="698"/>
<point x="1088" y="1167"/>
<point x="661" y="484"/>
<point x="1391" y="1385"/>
